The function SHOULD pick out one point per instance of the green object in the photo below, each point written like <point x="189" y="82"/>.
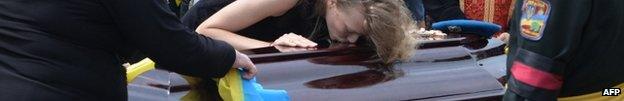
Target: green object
<point x="535" y="26"/>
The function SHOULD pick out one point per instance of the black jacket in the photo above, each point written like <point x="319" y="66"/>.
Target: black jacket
<point x="442" y="10"/>
<point x="60" y="50"/>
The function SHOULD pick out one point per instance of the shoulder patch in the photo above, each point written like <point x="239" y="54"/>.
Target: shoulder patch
<point x="533" y="20"/>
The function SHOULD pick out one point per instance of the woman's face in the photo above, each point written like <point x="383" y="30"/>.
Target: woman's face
<point x="344" y="25"/>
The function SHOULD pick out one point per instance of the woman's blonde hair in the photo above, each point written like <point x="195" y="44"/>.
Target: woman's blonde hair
<point x="388" y="23"/>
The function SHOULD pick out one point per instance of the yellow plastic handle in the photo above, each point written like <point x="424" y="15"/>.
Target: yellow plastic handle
<point x="139" y="68"/>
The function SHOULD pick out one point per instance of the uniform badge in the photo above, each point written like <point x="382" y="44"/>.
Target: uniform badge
<point x="533" y="19"/>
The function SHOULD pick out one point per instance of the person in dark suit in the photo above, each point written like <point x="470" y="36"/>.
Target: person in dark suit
<point x="417" y="8"/>
<point x="70" y="49"/>
<point x="442" y="10"/>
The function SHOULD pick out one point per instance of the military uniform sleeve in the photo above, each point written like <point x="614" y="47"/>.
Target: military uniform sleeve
<point x="157" y="32"/>
<point x="545" y="36"/>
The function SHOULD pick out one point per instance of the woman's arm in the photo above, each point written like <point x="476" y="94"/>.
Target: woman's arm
<point x="241" y="14"/>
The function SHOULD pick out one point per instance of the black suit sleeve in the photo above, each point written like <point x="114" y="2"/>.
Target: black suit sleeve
<point x="157" y="32"/>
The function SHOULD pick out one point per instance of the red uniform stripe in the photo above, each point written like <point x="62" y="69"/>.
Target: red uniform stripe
<point x="534" y="77"/>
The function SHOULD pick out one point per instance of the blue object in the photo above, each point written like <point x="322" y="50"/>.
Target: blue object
<point x="480" y="28"/>
<point x="255" y="92"/>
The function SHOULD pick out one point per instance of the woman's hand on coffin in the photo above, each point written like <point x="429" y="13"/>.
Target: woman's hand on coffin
<point x="293" y="40"/>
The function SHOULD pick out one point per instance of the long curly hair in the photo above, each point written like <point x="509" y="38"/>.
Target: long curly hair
<point x="387" y="22"/>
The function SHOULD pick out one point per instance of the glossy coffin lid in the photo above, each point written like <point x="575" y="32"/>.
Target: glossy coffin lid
<point x="445" y="70"/>
<point x="440" y="73"/>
